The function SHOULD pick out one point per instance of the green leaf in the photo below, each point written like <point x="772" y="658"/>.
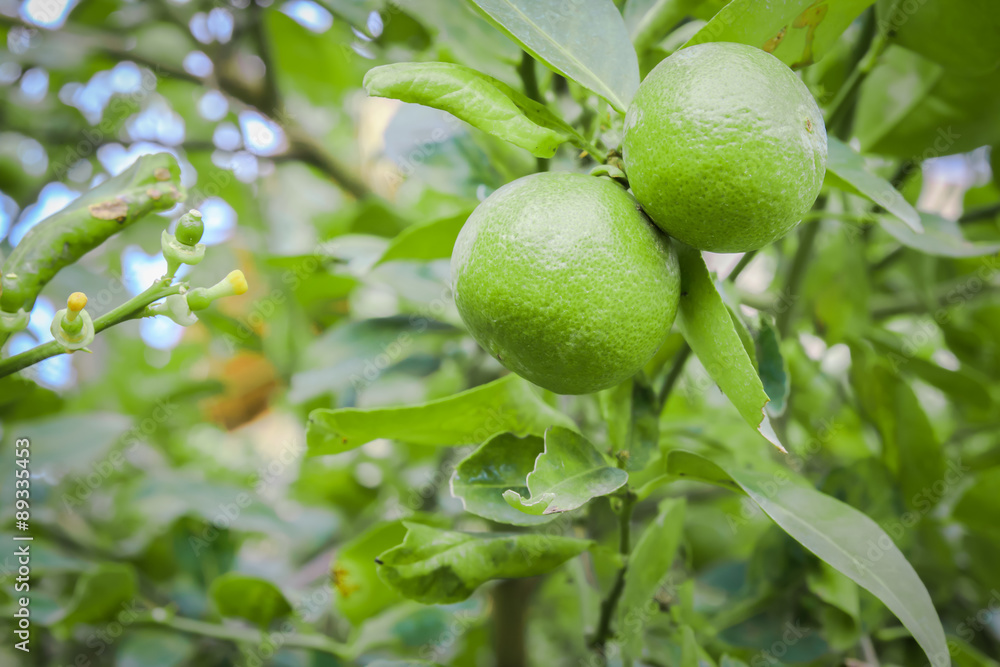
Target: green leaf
<point x="507" y="404"/>
<point x="319" y="67"/>
<point x="707" y="326"/>
<point x="963" y="385"/>
<point x="911" y="108"/>
<point x="438" y="566"/>
<point x="772" y="367"/>
<point x="648" y="568"/>
<point x="632" y="413"/>
<point x="427" y="241"/>
<point x="838" y="534"/>
<point x="728" y="661"/>
<point x="72" y="442"/>
<point x="649" y="21"/>
<point x="941" y="237"/>
<point x="845" y="166"/>
<point x="567" y="475"/>
<point x="479" y="100"/>
<point x="798" y="32"/>
<point x="500" y="464"/>
<point x="835" y="589"/>
<point x="99" y="595"/>
<point x="360" y="592"/>
<point x="689" y="648"/>
<point x="252" y="598"/>
<point x="149" y="647"/>
<point x="979" y="506"/>
<point x="909" y="447"/>
<point x="585" y="40"/>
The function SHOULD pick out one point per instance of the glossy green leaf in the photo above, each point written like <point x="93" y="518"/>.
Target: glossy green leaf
<point x="941" y="237"/>
<point x="501" y="464"/>
<point x="648" y="568"/>
<point x="507" y="404"/>
<point x="772" y="367"/>
<point x="845" y="166"/>
<point x="708" y="327"/>
<point x="150" y="647"/>
<point x="439" y="566"/>
<point x="728" y="661"/>
<point x="99" y="595"/>
<point x="567" y="475"/>
<point x="585" y="40"/>
<point x="426" y="241"/>
<point x="837" y="533"/>
<point x="479" y="100"/>
<point x="911" y="108"/>
<point x="360" y="593"/>
<point x="252" y="598"/>
<point x="798" y="32"/>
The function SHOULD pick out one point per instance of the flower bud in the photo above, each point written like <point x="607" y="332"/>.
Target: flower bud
<point x="72" y="326"/>
<point x="202" y="297"/>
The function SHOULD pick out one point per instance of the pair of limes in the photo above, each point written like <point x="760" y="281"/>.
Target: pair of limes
<point x="563" y="278"/>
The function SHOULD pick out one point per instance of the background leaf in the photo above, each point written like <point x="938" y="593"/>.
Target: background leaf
<point x="941" y="237"/>
<point x="252" y="598"/>
<point x="434" y="239"/>
<point x="844" y="166"/>
<point x="507" y="404"/>
<point x="838" y="534"/>
<point x="585" y="41"/>
<point x="100" y="594"/>
<point x="648" y="567"/>
<point x="436" y="566"/>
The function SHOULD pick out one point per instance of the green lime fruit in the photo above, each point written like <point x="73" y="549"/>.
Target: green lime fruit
<point x="564" y="280"/>
<point x="962" y="36"/>
<point x="724" y="147"/>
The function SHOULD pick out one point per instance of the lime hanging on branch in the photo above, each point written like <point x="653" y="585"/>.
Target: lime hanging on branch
<point x="565" y="282"/>
<point x="741" y="115"/>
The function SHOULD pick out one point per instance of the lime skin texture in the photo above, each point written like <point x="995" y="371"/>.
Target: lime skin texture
<point x="724" y="147"/>
<point x="565" y="282"/>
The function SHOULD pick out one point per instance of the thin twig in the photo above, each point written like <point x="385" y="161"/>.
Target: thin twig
<point x="248" y="636"/>
<point x="129" y="310"/>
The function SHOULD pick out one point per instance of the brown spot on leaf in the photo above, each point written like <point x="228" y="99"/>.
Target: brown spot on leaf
<point x="113" y="209"/>
<point x="161" y="174"/>
<point x="153" y="194"/>
<point x="809" y="125"/>
<point x="771" y="44"/>
<point x="340" y="576"/>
